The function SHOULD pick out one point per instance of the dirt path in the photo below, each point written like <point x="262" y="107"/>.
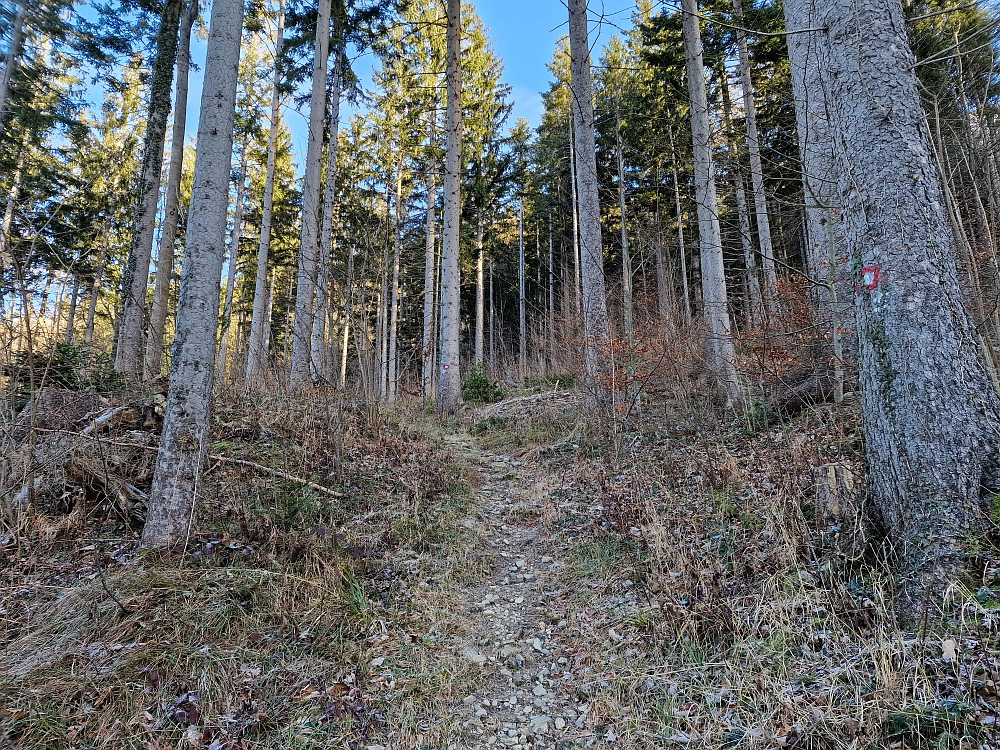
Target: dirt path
<point x="530" y="696"/>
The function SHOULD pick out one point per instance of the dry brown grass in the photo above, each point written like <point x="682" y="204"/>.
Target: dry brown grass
<point x="292" y="620"/>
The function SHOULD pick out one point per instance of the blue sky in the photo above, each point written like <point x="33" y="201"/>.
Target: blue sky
<point x="524" y="34"/>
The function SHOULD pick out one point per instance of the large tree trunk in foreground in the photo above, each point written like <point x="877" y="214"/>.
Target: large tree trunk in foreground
<point x="930" y="411"/>
<point x="595" y="305"/>
<point x="129" y="358"/>
<point x="305" y="288"/>
<point x="259" y="321"/>
<point x="450" y="387"/>
<point x="168" y="232"/>
<point x="719" y="344"/>
<point x="185" y="426"/>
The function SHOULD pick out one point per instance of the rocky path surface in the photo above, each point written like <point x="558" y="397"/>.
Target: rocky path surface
<point x="530" y="696"/>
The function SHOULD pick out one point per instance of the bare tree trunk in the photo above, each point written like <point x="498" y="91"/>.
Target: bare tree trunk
<point x="626" y="259"/>
<point x="129" y="359"/>
<point x="13" y="57"/>
<point x="305" y="288"/>
<point x="257" y="346"/>
<point x="522" y="317"/>
<point x="320" y="351"/>
<point x="757" y="171"/>
<point x="755" y="302"/>
<point x="450" y="389"/>
<point x="480" y="291"/>
<point x="348" y="314"/>
<point x="234" y="254"/>
<point x="168" y="232"/>
<point x="95" y="291"/>
<point x="170" y="510"/>
<point x="430" y="277"/>
<point x="595" y="306"/>
<point x="71" y="315"/>
<point x="574" y="198"/>
<point x="397" y="243"/>
<point x="682" y="250"/>
<point x="719" y="344"/>
<point x="929" y="409"/>
<point x="552" y="301"/>
<point x="493" y="351"/>
<point x="7" y="222"/>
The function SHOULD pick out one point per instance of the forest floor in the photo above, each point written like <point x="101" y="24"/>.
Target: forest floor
<point x="517" y="579"/>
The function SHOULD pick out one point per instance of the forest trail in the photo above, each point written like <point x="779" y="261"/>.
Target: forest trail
<point x="521" y="614"/>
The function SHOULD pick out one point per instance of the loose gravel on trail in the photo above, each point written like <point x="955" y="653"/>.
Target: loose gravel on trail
<point x="530" y="696"/>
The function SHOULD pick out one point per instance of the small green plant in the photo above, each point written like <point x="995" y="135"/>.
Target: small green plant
<point x="478" y="388"/>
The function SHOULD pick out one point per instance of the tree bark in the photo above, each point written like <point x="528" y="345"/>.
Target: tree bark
<point x="182" y="449"/>
<point x="13" y="57"/>
<point x="480" y="291"/>
<point x="755" y="302"/>
<point x="397" y="246"/>
<point x="95" y="291"/>
<point x="928" y="406"/>
<point x="450" y="386"/>
<point x="305" y="289"/>
<point x="259" y="321"/>
<point x="153" y="359"/>
<point x="757" y="173"/>
<point x="234" y="254"/>
<point x="430" y="277"/>
<point x="595" y="306"/>
<point x="719" y="344"/>
<point x="574" y="199"/>
<point x="522" y="316"/>
<point x="320" y="351"/>
<point x="129" y="359"/>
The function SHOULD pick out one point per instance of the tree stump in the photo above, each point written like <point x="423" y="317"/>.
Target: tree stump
<point x="839" y="501"/>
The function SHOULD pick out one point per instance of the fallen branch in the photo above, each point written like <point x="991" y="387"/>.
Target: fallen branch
<point x="275" y="472"/>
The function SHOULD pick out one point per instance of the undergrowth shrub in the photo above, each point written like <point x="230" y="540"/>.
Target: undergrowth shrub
<point x="478" y="388"/>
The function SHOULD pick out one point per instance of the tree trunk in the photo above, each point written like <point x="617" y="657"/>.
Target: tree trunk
<point x="397" y="244"/>
<point x="574" y="198"/>
<point x="552" y="302"/>
<point x="755" y="303"/>
<point x="757" y="172"/>
<point x="13" y="57"/>
<point x="719" y="344"/>
<point x="234" y="254"/>
<point x="682" y="250"/>
<point x="170" y="510"/>
<point x="522" y="317"/>
<point x="168" y="232"/>
<point x="348" y="315"/>
<point x="71" y="315"/>
<point x="305" y="289"/>
<point x="595" y="306"/>
<point x="450" y="388"/>
<point x="129" y="359"/>
<point x="493" y="351"/>
<point x="259" y="322"/>
<point x="480" y="291"/>
<point x="626" y="259"/>
<point x="928" y="407"/>
<point x="320" y="351"/>
<point x="95" y="291"/>
<point x="429" y="339"/>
